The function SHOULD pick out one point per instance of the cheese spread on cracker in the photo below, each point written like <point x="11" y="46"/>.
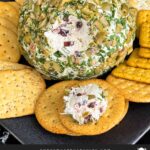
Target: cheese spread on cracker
<point x="85" y="103"/>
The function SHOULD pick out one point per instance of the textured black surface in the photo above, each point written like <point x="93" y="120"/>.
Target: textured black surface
<point x="129" y="131"/>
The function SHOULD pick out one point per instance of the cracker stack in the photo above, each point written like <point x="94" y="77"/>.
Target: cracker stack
<point x="9" y="18"/>
<point x="133" y="77"/>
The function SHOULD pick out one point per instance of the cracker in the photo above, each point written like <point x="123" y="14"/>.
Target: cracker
<point x="136" y="61"/>
<point x="125" y="110"/>
<point x="15" y="5"/>
<point x="144" y="52"/>
<point x="8" y="11"/>
<point x="4" y="65"/>
<point x="131" y="73"/>
<point x="142" y="17"/>
<point x="19" y="91"/>
<point x="132" y="90"/>
<point x="9" y="46"/>
<point x="46" y="110"/>
<point x="112" y="116"/>
<point x="20" y="2"/>
<point x="8" y="24"/>
<point x="144" y="38"/>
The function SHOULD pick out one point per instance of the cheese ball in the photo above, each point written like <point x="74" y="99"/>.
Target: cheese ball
<point x="76" y="39"/>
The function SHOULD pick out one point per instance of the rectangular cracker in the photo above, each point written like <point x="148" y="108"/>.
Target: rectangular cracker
<point x="130" y="89"/>
<point x="144" y="38"/>
<point x="136" y="61"/>
<point x="131" y="73"/>
<point x="144" y="52"/>
<point x="142" y="17"/>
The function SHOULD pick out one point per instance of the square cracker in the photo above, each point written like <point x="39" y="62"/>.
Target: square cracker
<point x="19" y="91"/>
<point x="136" y="61"/>
<point x="142" y="17"/>
<point x="144" y="52"/>
<point x="131" y="73"/>
<point x="130" y="89"/>
<point x="144" y="38"/>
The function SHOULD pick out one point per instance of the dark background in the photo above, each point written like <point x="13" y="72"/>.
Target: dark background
<point x="7" y="138"/>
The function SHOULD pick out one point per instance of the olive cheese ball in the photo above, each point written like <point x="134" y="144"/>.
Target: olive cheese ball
<point x="76" y="39"/>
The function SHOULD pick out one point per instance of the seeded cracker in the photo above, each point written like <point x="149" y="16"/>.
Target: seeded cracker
<point x="19" y="91"/>
<point x="130" y="89"/>
<point x="136" y="61"/>
<point x="131" y="73"/>
<point x="145" y="35"/>
<point x="108" y="120"/>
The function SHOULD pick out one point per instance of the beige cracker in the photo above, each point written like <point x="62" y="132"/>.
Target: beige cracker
<point x="131" y="73"/>
<point x="132" y="90"/>
<point x="144" y="38"/>
<point x="19" y="91"/>
<point x="112" y="116"/>
<point x="9" y="46"/>
<point x="144" y="52"/>
<point x="136" y="61"/>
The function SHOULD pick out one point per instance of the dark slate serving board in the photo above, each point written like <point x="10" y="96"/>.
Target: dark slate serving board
<point x="129" y="131"/>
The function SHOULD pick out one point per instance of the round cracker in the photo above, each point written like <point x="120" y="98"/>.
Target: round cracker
<point x="19" y="91"/>
<point x="8" y="11"/>
<point x="4" y="65"/>
<point x="46" y="110"/>
<point x="115" y="109"/>
<point x="8" y="24"/>
<point x="125" y="110"/>
<point x="9" y="46"/>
